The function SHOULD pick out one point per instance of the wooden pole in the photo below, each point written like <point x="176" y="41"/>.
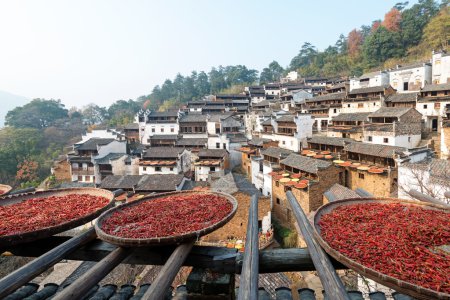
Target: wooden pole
<point x="331" y="282"/>
<point x="21" y="276"/>
<point x="248" y="286"/>
<point x="168" y="272"/>
<point x="82" y="285"/>
<point x="425" y="198"/>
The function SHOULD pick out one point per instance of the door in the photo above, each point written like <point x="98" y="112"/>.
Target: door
<point x="434" y="125"/>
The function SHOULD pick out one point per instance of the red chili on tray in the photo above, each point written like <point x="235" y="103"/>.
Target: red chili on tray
<point x="169" y="216"/>
<point x="395" y="239"/>
<point x="39" y="213"/>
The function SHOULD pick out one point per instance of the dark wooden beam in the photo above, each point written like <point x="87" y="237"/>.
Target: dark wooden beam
<point x="331" y="282"/>
<point x="248" y="286"/>
<point x="45" y="260"/>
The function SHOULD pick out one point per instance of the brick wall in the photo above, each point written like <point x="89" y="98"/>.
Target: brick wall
<point x="237" y="226"/>
<point x="379" y="185"/>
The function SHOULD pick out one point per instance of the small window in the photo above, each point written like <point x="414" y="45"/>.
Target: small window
<point x="361" y="176"/>
<point x="425" y="106"/>
<point x="284" y="142"/>
<point x="278" y="201"/>
<point x="144" y="168"/>
<point x="153" y="129"/>
<point x="434" y="93"/>
<point x="158" y="169"/>
<point x="172" y="129"/>
<point x="212" y="169"/>
<point x="162" y="129"/>
<point x="405" y="86"/>
<point x="224" y="146"/>
<point x="385" y="140"/>
<point x="217" y="145"/>
<point x="334" y="110"/>
<point x="80" y="178"/>
<point x="369" y="138"/>
<point x="277" y="184"/>
<point x="348" y="105"/>
<point x="171" y="169"/>
<point x="409" y="139"/>
<point x="437" y="105"/>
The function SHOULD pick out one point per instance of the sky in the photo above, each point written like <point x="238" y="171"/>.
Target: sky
<point x="100" y="51"/>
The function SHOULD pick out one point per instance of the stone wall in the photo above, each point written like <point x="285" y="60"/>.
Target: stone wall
<point x="247" y="164"/>
<point x="61" y="171"/>
<point x="379" y="185"/>
<point x="237" y="226"/>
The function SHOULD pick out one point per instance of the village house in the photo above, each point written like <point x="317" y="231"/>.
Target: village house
<point x="372" y="167"/>
<point x="102" y="134"/>
<point x="219" y="127"/>
<point x="402" y="100"/>
<point x="256" y="93"/>
<point x="315" y="81"/>
<point x="312" y="177"/>
<point x="323" y="108"/>
<point x="165" y="160"/>
<point x="131" y="132"/>
<point x="157" y="123"/>
<point x="115" y="164"/>
<point x="163" y="140"/>
<point x="86" y="152"/>
<point x="193" y="125"/>
<point x="430" y="176"/>
<point x="433" y="103"/>
<point x="290" y="131"/>
<point x="339" y="87"/>
<point x="367" y="99"/>
<point x="211" y="161"/>
<point x="373" y="79"/>
<point x="273" y="89"/>
<point x="291" y="76"/>
<point x="271" y="162"/>
<point x="348" y="125"/>
<point x="406" y="79"/>
<point x="441" y="68"/>
<point x="334" y="145"/>
<point x="395" y="126"/>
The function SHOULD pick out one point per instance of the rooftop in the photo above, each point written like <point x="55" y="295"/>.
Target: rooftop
<point x="375" y="149"/>
<point x="214" y="153"/>
<point x="436" y="87"/>
<point x="404" y="97"/>
<point x="163" y="152"/>
<point x="276" y="152"/>
<point x="150" y="183"/>
<point x="373" y="89"/>
<point x="332" y="141"/>
<point x="351" y="117"/>
<point x="387" y="112"/>
<point x="304" y="163"/>
<point x="339" y="192"/>
<point x="93" y="143"/>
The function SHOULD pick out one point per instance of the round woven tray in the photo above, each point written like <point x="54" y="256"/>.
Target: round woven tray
<point x="389" y="281"/>
<point x="141" y="242"/>
<point x="10" y="240"/>
<point x="5" y="189"/>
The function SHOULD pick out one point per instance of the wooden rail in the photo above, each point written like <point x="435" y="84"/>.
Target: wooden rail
<point x="167" y="274"/>
<point x="331" y="282"/>
<point x="82" y="285"/>
<point x="21" y="276"/>
<point x="425" y="198"/>
<point x="248" y="287"/>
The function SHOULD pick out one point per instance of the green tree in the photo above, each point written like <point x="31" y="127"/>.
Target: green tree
<point x="382" y="45"/>
<point x="437" y="32"/>
<point x="272" y="73"/>
<point x="39" y="113"/>
<point x="94" y="114"/>
<point x="304" y="57"/>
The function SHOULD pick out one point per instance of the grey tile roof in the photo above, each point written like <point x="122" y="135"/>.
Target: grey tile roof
<point x="193" y="118"/>
<point x="221" y="116"/>
<point x="262" y="103"/>
<point x="380" y="127"/>
<point x="370" y="74"/>
<point x="436" y="87"/>
<point x="410" y="66"/>
<point x="399" y="98"/>
<point x="163" y="152"/>
<point x="390" y="112"/>
<point x="332" y="141"/>
<point x="109" y="157"/>
<point x="304" y="163"/>
<point x="276" y="152"/>
<point x="258" y="141"/>
<point x="149" y="183"/>
<point x="339" y="192"/>
<point x="373" y="89"/>
<point x="267" y="122"/>
<point x="92" y="144"/>
<point x="351" y="117"/>
<point x="164" y="137"/>
<point x="217" y="153"/>
<point x="385" y="151"/>
<point x="133" y="126"/>
<point x="286" y="118"/>
<point x="439" y="169"/>
<point x="332" y="96"/>
<point x="169" y="113"/>
<point x="192" y="142"/>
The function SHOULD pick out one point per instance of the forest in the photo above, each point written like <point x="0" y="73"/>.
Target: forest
<point x="38" y="132"/>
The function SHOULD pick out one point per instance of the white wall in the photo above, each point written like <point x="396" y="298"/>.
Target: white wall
<point x="380" y="79"/>
<point x="399" y="140"/>
<point x="150" y="170"/>
<point x="113" y="147"/>
<point x="284" y="141"/>
<point x="100" y="134"/>
<point x="304" y="127"/>
<point x="221" y="139"/>
<point x="257" y="175"/>
<point x="267" y="184"/>
<point x="367" y="106"/>
<point x="160" y="129"/>
<point x="202" y="172"/>
<point x="412" y="76"/>
<point x="441" y="68"/>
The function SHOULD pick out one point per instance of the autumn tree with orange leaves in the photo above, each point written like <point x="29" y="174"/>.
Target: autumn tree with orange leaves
<point x="392" y="20"/>
<point x="354" y="42"/>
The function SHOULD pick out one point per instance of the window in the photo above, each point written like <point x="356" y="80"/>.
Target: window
<point x="212" y="169"/>
<point x="277" y="184"/>
<point x="405" y="86"/>
<point x="334" y="110"/>
<point x="162" y="129"/>
<point x="437" y="105"/>
<point x="284" y="142"/>
<point x="80" y="178"/>
<point x="172" y="129"/>
<point x="409" y="139"/>
<point x="224" y="146"/>
<point x="171" y="169"/>
<point x="369" y="138"/>
<point x="360" y="105"/>
<point x="158" y="169"/>
<point x="144" y="168"/>
<point x="217" y="145"/>
<point x="278" y="201"/>
<point x="425" y="106"/>
<point x="217" y="130"/>
<point x="348" y="105"/>
<point x="434" y="93"/>
<point x="385" y="140"/>
<point x="153" y="129"/>
<point x="361" y="176"/>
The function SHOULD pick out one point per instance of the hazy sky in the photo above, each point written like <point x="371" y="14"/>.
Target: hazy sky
<point x="84" y="51"/>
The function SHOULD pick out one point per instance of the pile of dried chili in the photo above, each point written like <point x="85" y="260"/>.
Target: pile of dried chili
<point x="39" y="213"/>
<point x="169" y="216"/>
<point x="395" y="239"/>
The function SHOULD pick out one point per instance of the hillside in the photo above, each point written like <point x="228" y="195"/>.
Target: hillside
<point x="8" y="102"/>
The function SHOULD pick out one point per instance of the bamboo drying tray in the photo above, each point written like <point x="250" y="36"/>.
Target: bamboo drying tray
<point x="140" y="242"/>
<point x="6" y="189"/>
<point x="10" y="240"/>
<point x="413" y="290"/>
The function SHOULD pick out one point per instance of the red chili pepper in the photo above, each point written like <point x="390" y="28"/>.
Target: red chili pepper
<point x="394" y="239"/>
<point x="173" y="215"/>
<point x="39" y="213"/>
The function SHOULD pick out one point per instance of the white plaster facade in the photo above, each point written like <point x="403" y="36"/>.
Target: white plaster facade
<point x="388" y="138"/>
<point x="441" y="68"/>
<point x="410" y="79"/>
<point x="202" y="172"/>
<point x="100" y="134"/>
<point x="369" y="80"/>
<point x="257" y="172"/>
<point x="361" y="106"/>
